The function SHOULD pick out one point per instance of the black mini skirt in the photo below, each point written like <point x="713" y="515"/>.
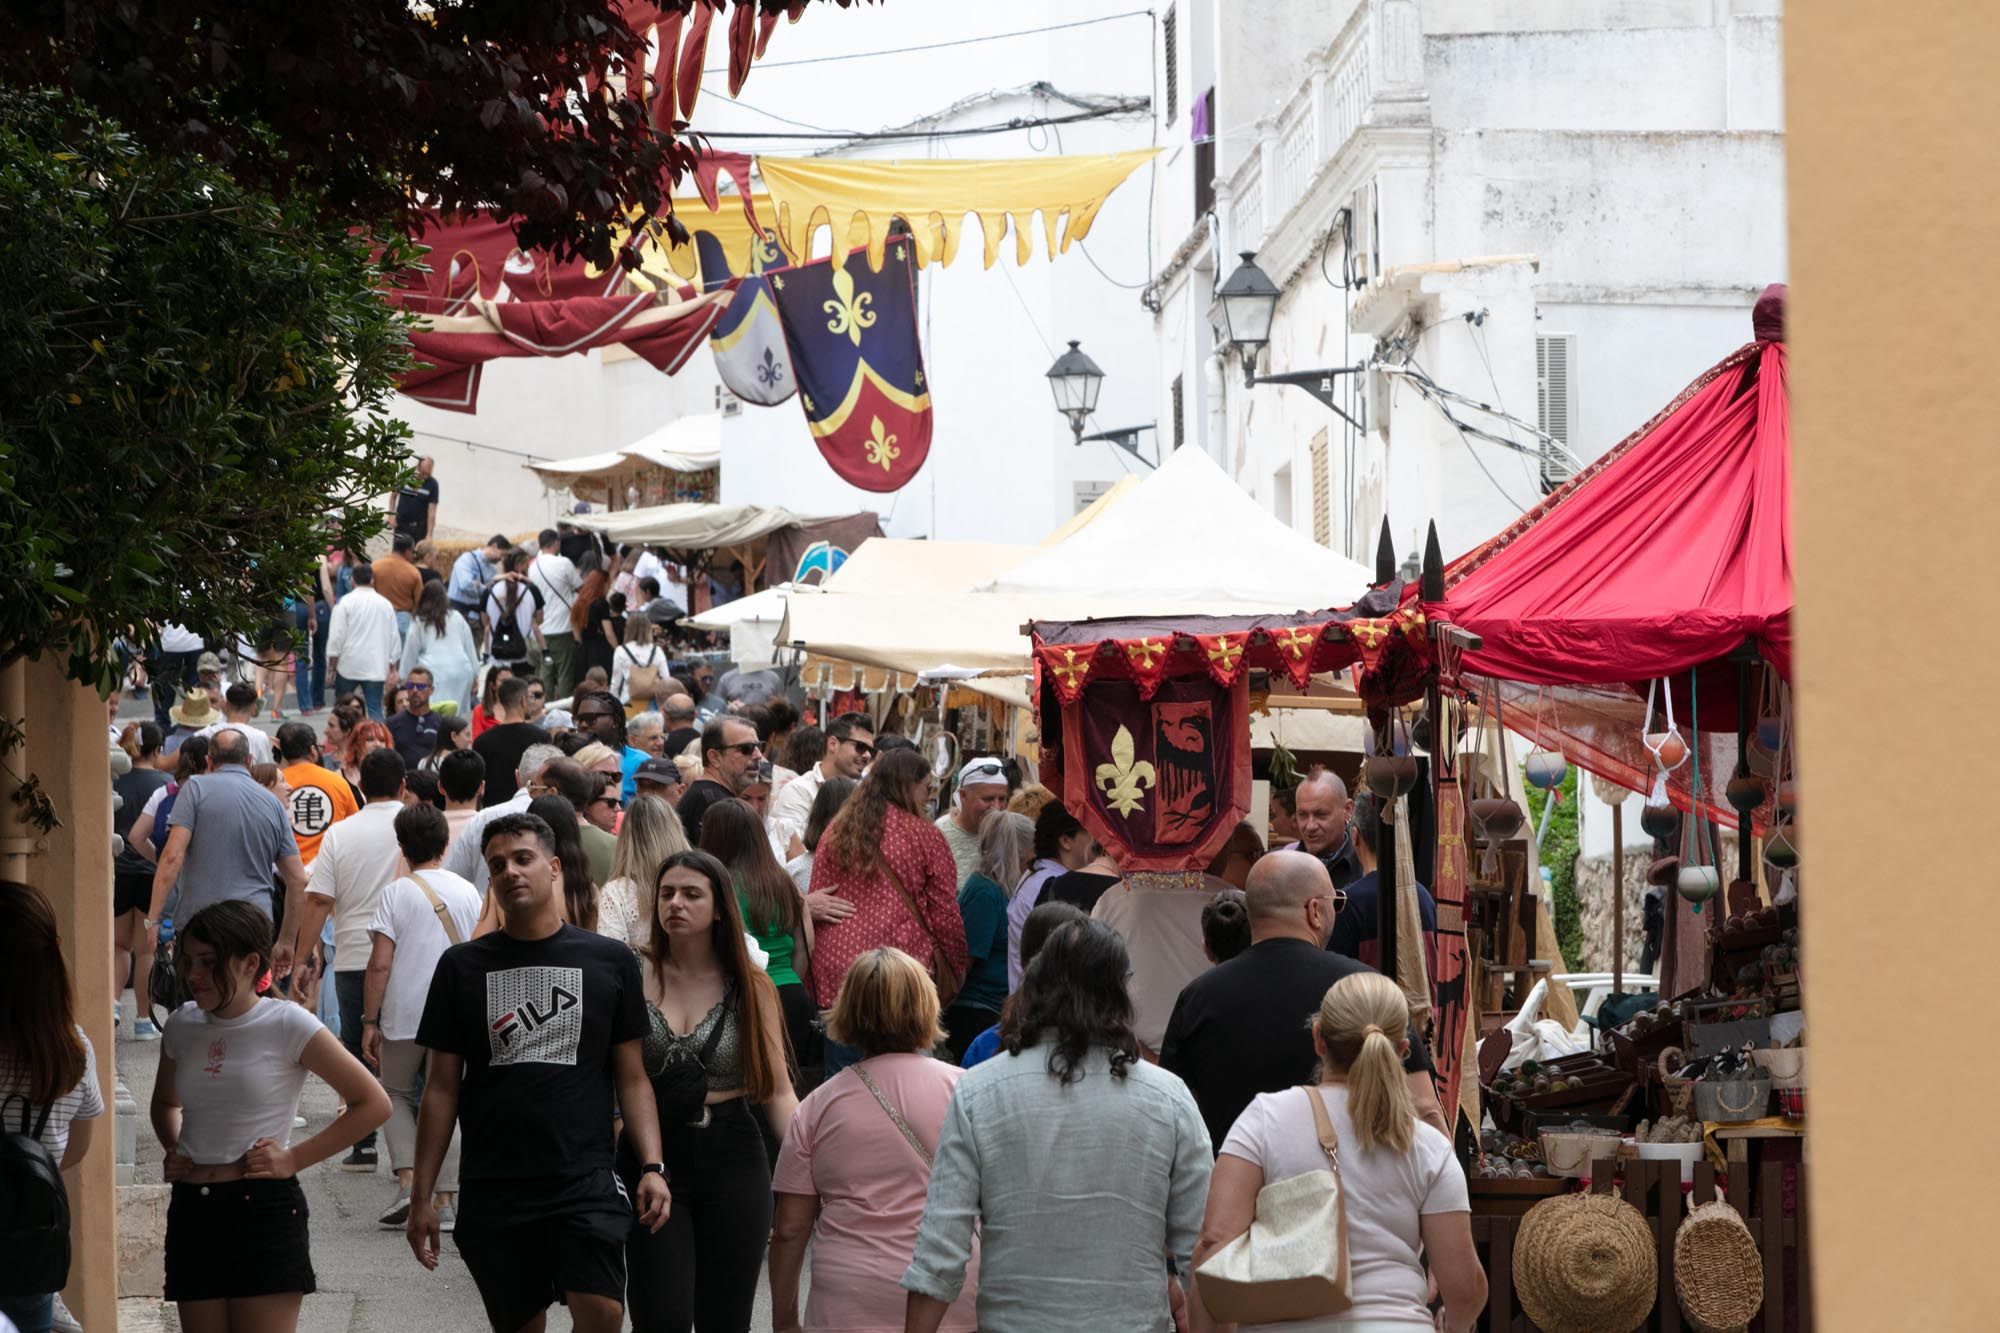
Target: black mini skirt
<point x="235" y="1239"/>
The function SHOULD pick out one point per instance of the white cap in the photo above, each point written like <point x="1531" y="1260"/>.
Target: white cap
<point x="987" y="770"/>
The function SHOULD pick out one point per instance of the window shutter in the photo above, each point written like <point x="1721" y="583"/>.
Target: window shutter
<point x="1180" y="415"/>
<point x="1555" y="400"/>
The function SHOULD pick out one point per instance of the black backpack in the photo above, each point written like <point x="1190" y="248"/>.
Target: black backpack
<point x="34" y="1210"/>
<point x="506" y="644"/>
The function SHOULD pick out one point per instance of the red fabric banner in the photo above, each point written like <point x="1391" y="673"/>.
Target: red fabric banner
<point x="1161" y="782"/>
<point x="1450" y="977"/>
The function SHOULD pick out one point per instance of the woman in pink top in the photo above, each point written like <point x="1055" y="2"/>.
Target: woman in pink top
<point x="883" y="855"/>
<point x="857" y="1161"/>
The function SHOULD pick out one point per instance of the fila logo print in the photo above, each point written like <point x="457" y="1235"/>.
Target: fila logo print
<point x="534" y="1015"/>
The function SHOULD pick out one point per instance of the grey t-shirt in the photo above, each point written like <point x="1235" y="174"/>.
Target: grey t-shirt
<point x="237" y="831"/>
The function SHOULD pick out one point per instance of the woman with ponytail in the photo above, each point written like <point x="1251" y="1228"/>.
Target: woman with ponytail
<point x="1403" y="1191"/>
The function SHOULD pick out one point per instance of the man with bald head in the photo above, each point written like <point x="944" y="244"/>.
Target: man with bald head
<point x="1321" y="811"/>
<point x="1240" y="1028"/>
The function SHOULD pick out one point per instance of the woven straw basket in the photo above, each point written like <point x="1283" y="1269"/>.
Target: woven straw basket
<point x="1717" y="1270"/>
<point x="1585" y="1263"/>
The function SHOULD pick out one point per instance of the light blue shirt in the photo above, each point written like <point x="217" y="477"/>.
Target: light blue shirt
<point x="1093" y="1184"/>
<point x="470" y="576"/>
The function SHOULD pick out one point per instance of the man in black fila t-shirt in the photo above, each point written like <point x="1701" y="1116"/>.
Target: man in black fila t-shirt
<point x="532" y="1030"/>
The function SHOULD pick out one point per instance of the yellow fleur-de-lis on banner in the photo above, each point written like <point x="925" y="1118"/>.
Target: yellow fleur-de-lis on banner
<point x="1123" y="781"/>
<point x="850" y="312"/>
<point x="881" y="445"/>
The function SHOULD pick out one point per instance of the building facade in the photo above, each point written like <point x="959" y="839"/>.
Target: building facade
<point x="1561" y="210"/>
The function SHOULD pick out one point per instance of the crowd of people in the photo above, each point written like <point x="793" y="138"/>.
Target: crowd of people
<point x="648" y="994"/>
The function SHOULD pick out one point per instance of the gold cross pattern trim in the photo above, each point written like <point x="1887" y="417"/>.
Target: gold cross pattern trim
<point x="1070" y="670"/>
<point x="1295" y="642"/>
<point x="1225" y="653"/>
<point x="1145" y="653"/>
<point x="1370" y="632"/>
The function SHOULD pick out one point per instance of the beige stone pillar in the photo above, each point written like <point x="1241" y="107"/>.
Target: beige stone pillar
<point x="1893" y="131"/>
<point x="67" y="751"/>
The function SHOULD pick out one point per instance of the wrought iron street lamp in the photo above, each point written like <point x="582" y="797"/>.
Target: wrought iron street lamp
<point x="1075" y="380"/>
<point x="1249" y="302"/>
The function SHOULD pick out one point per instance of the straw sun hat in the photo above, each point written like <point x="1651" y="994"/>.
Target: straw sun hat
<point x="1585" y="1263"/>
<point x="194" y="710"/>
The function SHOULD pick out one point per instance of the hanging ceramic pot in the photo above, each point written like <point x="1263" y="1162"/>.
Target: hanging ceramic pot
<point x="1771" y="733"/>
<point x="1421" y="731"/>
<point x="1697" y="884"/>
<point x="1660" y="821"/>
<point x="1389" y="777"/>
<point x="1545" y="769"/>
<point x="1496" y="818"/>
<point x="1667" y="747"/>
<point x="1664" y="871"/>
<point x="1781" y="849"/>
<point x="1788" y="797"/>
<point x="1746" y="793"/>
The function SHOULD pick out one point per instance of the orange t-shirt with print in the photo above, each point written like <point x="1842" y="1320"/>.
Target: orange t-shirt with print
<point x="320" y="799"/>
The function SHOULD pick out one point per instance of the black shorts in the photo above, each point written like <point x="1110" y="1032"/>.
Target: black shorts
<point x="131" y="891"/>
<point x="528" y="1243"/>
<point x="242" y="1238"/>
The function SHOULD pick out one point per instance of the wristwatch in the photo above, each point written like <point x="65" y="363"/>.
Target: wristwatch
<point x="654" y="1169"/>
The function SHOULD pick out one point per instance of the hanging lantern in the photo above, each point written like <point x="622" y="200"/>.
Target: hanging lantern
<point x="1545" y="769"/>
<point x="1697" y="884"/>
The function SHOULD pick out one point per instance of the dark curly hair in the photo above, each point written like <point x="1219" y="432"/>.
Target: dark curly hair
<point x="1074" y="996"/>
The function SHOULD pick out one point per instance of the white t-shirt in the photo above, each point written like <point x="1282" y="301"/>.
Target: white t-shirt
<point x="1161" y="927"/>
<point x="259" y="743"/>
<point x="405" y="915"/>
<point x="358" y="858"/>
<point x="82" y="1102"/>
<point x="1384" y="1193"/>
<point x="557" y="578"/>
<point x="238" y="1078"/>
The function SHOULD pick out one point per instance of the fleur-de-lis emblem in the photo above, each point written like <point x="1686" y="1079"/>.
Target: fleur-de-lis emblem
<point x="1124" y="781"/>
<point x="770" y="370"/>
<point x="1370" y="632"/>
<point x="850" y="312"/>
<point x="1294" y="641"/>
<point x="1225" y="653"/>
<point x="1145" y="653"/>
<point x="1070" y="670"/>
<point x="882" y="446"/>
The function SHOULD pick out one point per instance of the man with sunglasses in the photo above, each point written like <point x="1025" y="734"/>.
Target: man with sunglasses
<point x="982" y="789"/>
<point x="414" y="727"/>
<point x="729" y="754"/>
<point x="1241" y="1027"/>
<point x="850" y="745"/>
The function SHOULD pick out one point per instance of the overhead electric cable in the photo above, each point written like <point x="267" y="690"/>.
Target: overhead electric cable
<point x="937" y="46"/>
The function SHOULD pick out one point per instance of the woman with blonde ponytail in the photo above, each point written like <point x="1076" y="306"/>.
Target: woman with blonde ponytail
<point x="1402" y="1188"/>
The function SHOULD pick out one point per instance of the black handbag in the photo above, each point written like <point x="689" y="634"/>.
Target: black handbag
<point x="163" y="987"/>
<point x="679" y="1076"/>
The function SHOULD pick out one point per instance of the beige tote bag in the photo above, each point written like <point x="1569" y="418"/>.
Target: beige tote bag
<point x="1292" y="1262"/>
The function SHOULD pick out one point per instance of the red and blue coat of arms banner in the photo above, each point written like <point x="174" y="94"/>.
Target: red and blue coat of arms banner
<point x="858" y="363"/>
<point x="1159" y="777"/>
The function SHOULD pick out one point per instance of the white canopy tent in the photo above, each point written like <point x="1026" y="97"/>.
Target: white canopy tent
<point x="752" y="623"/>
<point x="1183" y="541"/>
<point x="684" y="445"/>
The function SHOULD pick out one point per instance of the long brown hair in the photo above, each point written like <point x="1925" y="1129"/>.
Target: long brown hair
<point x="37" y="1026"/>
<point x="853" y="841"/>
<point x="757" y="997"/>
<point x="434" y="606"/>
<point x="587" y="593"/>
<point x="733" y="835"/>
<point x="579" y="892"/>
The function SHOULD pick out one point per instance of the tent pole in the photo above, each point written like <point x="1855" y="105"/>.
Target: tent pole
<point x="1617" y="898"/>
<point x="1745" y="859"/>
<point x="1386" y="899"/>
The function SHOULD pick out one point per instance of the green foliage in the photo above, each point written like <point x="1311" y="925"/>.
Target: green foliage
<point x="192" y="403"/>
<point x="1559" y="852"/>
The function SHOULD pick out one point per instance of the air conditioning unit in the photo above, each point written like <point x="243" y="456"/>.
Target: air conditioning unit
<point x="1555" y="401"/>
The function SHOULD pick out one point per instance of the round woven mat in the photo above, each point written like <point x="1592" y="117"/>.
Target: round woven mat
<point x="1585" y="1263"/>
<point x="1717" y="1269"/>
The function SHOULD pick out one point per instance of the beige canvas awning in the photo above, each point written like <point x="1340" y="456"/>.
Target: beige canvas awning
<point x="692" y="527"/>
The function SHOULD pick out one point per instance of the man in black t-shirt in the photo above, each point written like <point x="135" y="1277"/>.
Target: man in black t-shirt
<point x="1241" y="1027"/>
<point x="729" y="754"/>
<point x="531" y="1031"/>
<point x="415" y="507"/>
<point x="502" y="744"/>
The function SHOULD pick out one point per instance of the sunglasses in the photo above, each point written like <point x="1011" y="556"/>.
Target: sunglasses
<point x="414" y="688"/>
<point x="986" y="768"/>
<point x="862" y="748"/>
<point x="746" y="748"/>
<point x="611" y="801"/>
<point x="535" y="694"/>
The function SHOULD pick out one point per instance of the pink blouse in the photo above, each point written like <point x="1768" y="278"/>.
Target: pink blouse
<point x="930" y="877"/>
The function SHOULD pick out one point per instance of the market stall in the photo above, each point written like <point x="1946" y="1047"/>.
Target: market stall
<point x="679" y="463"/>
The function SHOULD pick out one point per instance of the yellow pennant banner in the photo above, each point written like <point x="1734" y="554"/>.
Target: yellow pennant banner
<point x="859" y="198"/>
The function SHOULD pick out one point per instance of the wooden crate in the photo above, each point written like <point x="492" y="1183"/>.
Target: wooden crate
<point x="1654" y="1189"/>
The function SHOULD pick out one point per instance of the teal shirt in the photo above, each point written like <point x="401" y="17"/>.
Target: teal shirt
<point x="983" y="904"/>
<point x="775" y="941"/>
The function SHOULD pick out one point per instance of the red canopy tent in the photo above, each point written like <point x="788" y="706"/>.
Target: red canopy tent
<point x="1668" y="560"/>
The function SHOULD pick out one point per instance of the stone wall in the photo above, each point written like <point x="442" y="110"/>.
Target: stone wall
<point x="1594" y="904"/>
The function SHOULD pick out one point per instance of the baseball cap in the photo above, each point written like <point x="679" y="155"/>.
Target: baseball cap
<point x="208" y="662"/>
<point x="663" y="771"/>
